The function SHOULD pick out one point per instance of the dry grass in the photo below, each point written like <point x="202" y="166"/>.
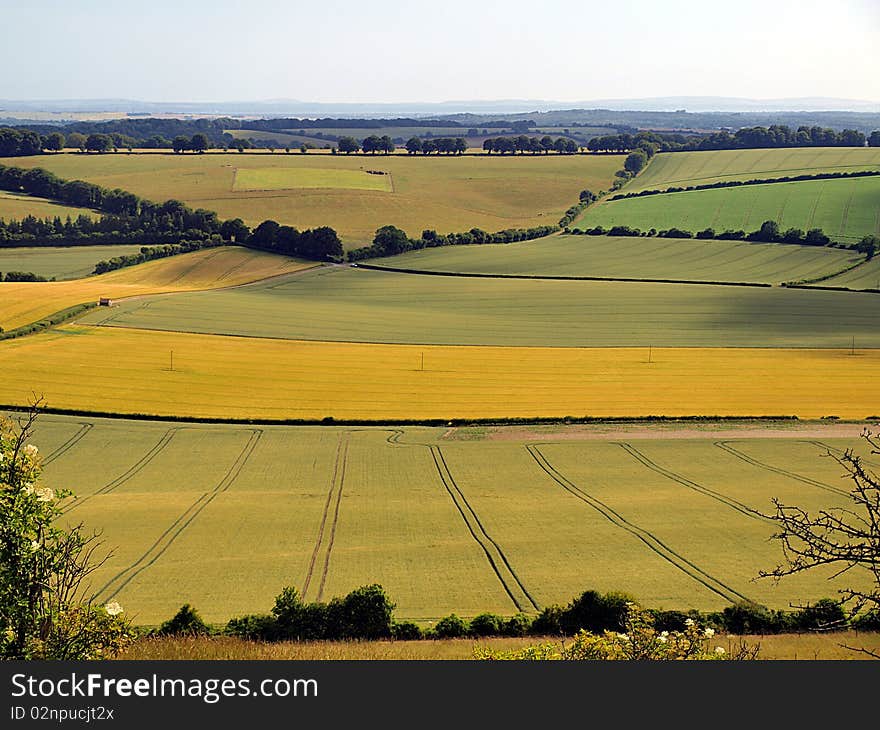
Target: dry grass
<point x="25" y="302"/>
<point x="782" y="646"/>
<point x="239" y="377"/>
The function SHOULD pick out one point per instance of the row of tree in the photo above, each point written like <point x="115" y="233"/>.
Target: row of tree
<point x="131" y="219"/>
<point x="438" y="145"/>
<point x="535" y="145"/>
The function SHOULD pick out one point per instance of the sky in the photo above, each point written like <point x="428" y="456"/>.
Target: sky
<point x="413" y="51"/>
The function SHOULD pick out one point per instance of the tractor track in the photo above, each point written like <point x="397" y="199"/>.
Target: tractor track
<point x="84" y="428"/>
<point x="725" y="446"/>
<point x="131" y="471"/>
<point x="685" y="482"/>
<point x="167" y="538"/>
<point x="513" y="586"/>
<point x="653" y="543"/>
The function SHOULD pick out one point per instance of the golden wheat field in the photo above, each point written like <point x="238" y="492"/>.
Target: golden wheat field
<point x="25" y="302"/>
<point x="243" y="377"/>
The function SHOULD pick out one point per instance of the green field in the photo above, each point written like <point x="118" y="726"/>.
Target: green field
<point x="60" y="262"/>
<point x="291" y="179"/>
<point x="643" y="258"/>
<point x="223" y="516"/>
<point x="682" y="169"/>
<point x="846" y="209"/>
<point x="866" y="276"/>
<point x="441" y="193"/>
<point x="15" y="206"/>
<point x="347" y="304"/>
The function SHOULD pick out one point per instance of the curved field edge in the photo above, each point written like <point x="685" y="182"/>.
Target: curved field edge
<point x="230" y="377"/>
<point x="23" y="303"/>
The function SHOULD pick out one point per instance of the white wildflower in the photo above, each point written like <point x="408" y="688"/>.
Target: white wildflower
<point x="623" y="637"/>
<point x="664" y="634"/>
<point x="709" y="633"/>
<point x="689" y="622"/>
<point x="28" y="488"/>
<point x="31" y="450"/>
<point x="662" y="639"/>
<point x="113" y="608"/>
<point x="45" y="494"/>
<point x="35" y="545"/>
<point x="2" y="456"/>
<point x="719" y="650"/>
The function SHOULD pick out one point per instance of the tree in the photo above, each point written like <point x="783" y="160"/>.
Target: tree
<point x="348" y="145"/>
<point x="76" y="141"/>
<point x="235" y="230"/>
<point x="199" y="143"/>
<point x="390" y="240"/>
<point x="413" y="145"/>
<point x="99" y="143"/>
<point x="180" y="144"/>
<point x="635" y="161"/>
<point x="868" y="246"/>
<point x="45" y="564"/>
<point x="846" y="539"/>
<point x="54" y="142"/>
<point x="874" y="138"/>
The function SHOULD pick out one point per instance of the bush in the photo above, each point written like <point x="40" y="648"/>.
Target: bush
<point x="406" y="631"/>
<point x="823" y="615"/>
<point x="366" y="613"/>
<point x="745" y="617"/>
<point x="548" y="622"/>
<point x="253" y="627"/>
<point x="450" y="627"/>
<point x="486" y="624"/>
<point x="595" y="612"/>
<point x="517" y="625"/>
<point x="186" y="622"/>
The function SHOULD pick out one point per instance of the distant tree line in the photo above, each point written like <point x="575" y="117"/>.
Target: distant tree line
<point x="367" y="613"/>
<point x="436" y="145"/>
<point x="777" y="135"/>
<point x="131" y="219"/>
<point x="523" y="144"/>
<point x="768" y="232"/>
<point x="756" y="181"/>
<point x="149" y="253"/>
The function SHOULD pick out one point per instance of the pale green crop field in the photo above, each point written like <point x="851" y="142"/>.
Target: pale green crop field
<point x="224" y="516"/>
<point x="447" y="194"/>
<point x="682" y="169"/>
<point x="15" y="206"/>
<point x="359" y="305"/>
<point x="846" y="209"/>
<point x="866" y="276"/>
<point x="61" y="262"/>
<point x="641" y="258"/>
<point x="283" y="179"/>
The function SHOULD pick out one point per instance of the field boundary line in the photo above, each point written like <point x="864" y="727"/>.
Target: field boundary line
<point x="725" y="446"/>
<point x="552" y="277"/>
<point x="84" y="428"/>
<point x="834" y="450"/>
<point x="499" y="562"/>
<point x="690" y="484"/>
<point x="167" y="538"/>
<point x="692" y="570"/>
<point x="131" y="471"/>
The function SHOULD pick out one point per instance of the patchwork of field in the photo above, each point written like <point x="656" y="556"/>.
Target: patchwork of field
<point x="224" y="516"/>
<point x="130" y="371"/>
<point x="359" y="305"/>
<point x="445" y="194"/>
<point x="25" y="302"/>
<point x="642" y="258"/>
<point x="846" y="209"/>
<point x="683" y="169"/>
<point x="61" y="262"/>
<point x="15" y="206"/>
<point x="283" y="179"/>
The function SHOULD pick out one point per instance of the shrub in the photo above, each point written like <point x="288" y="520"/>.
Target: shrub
<point x="450" y="627"/>
<point x="406" y="631"/>
<point x="367" y="613"/>
<point x="486" y="624"/>
<point x="745" y="617"/>
<point x="517" y="625"/>
<point x="548" y="622"/>
<point x="253" y="627"/>
<point x="595" y="612"/>
<point x="824" y="614"/>
<point x="186" y="622"/>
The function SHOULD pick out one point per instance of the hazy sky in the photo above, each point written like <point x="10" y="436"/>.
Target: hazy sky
<point x="393" y="50"/>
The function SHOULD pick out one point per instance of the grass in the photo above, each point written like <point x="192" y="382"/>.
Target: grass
<point x="781" y="647"/>
<point x="15" y="206"/>
<point x="651" y="258"/>
<point x="446" y="194"/>
<point x="845" y="209"/>
<point x="291" y="179"/>
<point x="25" y="302"/>
<point x="345" y="304"/>
<point x="682" y="169"/>
<point x="127" y="371"/>
<point x="61" y="262"/>
<point x="223" y="517"/>
<point x="866" y="276"/>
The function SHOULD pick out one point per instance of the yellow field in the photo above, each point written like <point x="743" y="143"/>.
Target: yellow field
<point x="25" y="302"/>
<point x="215" y="376"/>
<point x="448" y="194"/>
<point x="15" y="206"/>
